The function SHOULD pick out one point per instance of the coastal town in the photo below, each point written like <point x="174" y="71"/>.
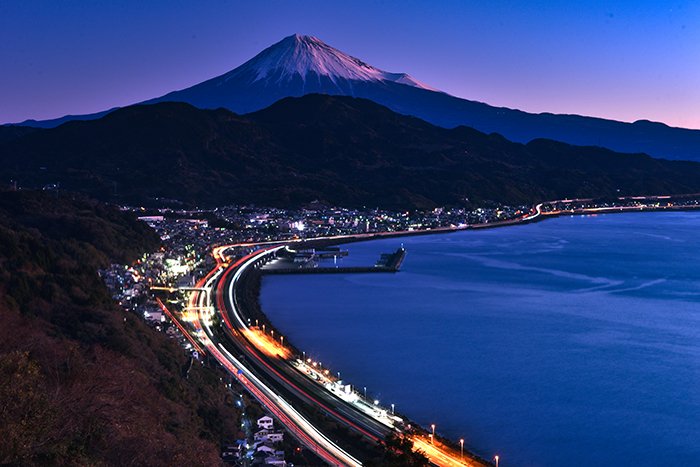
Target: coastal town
<point x="189" y="236"/>
<point x="396" y="234"/>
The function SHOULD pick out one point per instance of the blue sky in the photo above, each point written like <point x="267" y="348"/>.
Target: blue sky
<point x="623" y="60"/>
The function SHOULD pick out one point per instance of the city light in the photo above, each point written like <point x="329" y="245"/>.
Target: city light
<point x="439" y="454"/>
<point x="266" y="344"/>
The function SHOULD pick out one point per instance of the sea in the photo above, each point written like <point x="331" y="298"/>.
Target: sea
<point x="569" y="342"/>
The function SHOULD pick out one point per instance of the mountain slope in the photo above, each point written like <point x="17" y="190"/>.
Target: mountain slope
<point x="342" y="150"/>
<point x="300" y="65"/>
<point x="81" y="381"/>
<point x="295" y="66"/>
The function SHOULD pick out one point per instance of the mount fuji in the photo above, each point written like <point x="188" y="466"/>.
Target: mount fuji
<point x="299" y="65"/>
<point x="295" y="66"/>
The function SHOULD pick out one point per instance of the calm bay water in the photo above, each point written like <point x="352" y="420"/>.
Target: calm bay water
<point x="574" y="341"/>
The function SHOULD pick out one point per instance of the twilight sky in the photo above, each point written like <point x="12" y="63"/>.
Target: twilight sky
<point x="626" y="60"/>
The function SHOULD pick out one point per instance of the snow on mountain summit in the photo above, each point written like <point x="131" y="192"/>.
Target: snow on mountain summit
<point x="308" y="57"/>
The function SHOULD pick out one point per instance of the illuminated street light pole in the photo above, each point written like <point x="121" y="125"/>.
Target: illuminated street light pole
<point x="461" y="448"/>
<point x="392" y="409"/>
<point x="497" y="459"/>
<point x="365" y="388"/>
<point x="433" y="427"/>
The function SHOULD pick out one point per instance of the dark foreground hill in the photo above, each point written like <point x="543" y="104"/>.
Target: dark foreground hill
<point x="81" y="381"/>
<point x="341" y="150"/>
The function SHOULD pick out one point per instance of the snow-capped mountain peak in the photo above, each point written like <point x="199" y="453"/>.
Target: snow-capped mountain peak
<point x="308" y="57"/>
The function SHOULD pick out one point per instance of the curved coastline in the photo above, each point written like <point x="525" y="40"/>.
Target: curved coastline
<point x="251" y="288"/>
<point x="443" y="452"/>
<point x="539" y="216"/>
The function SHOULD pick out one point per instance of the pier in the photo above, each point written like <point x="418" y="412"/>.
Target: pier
<point x="388" y="262"/>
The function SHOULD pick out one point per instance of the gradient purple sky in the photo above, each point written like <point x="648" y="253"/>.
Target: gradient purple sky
<point x="625" y="60"/>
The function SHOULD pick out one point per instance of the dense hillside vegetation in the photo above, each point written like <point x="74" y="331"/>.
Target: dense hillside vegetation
<point x="81" y="381"/>
<point x="340" y="150"/>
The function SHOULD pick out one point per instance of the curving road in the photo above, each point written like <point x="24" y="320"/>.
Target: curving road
<point x="297" y="424"/>
<point x="281" y="387"/>
<point x="278" y="373"/>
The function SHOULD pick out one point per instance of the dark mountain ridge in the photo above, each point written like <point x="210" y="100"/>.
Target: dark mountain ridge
<point x="341" y="150"/>
<point x="300" y="65"/>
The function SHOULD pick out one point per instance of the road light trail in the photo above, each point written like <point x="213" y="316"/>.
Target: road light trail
<point x="299" y="426"/>
<point x="439" y="455"/>
<point x="243" y="328"/>
<point x="180" y="327"/>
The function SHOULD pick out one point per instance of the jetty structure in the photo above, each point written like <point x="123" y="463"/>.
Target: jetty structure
<point x="290" y="261"/>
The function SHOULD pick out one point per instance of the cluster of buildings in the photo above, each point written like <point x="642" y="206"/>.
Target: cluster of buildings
<point x="132" y="287"/>
<point x="188" y="237"/>
<point x="185" y="231"/>
<point x="265" y="447"/>
<point x="318" y="221"/>
<point x="624" y="203"/>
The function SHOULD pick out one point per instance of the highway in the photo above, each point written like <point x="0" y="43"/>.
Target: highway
<point x="439" y="455"/>
<point x="277" y="371"/>
<point x="288" y="416"/>
<point x="282" y="383"/>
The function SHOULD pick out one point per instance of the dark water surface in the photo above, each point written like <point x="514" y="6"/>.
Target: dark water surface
<point x="574" y="341"/>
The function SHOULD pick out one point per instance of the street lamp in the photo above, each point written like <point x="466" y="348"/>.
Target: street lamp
<point x="392" y="409"/>
<point x="365" y="388"/>
<point x="433" y="427"/>
<point x="461" y="448"/>
<point x="497" y="458"/>
<point x="282" y="340"/>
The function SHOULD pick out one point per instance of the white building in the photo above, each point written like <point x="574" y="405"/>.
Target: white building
<point x="275" y="437"/>
<point x="275" y="461"/>
<point x="265" y="448"/>
<point x="265" y="422"/>
<point x="267" y="435"/>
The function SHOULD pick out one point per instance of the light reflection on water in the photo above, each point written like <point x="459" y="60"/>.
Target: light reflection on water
<point x="574" y="341"/>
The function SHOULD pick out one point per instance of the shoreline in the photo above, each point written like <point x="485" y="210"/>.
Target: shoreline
<point x="543" y="216"/>
<point x="538" y="217"/>
<point x="250" y="286"/>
